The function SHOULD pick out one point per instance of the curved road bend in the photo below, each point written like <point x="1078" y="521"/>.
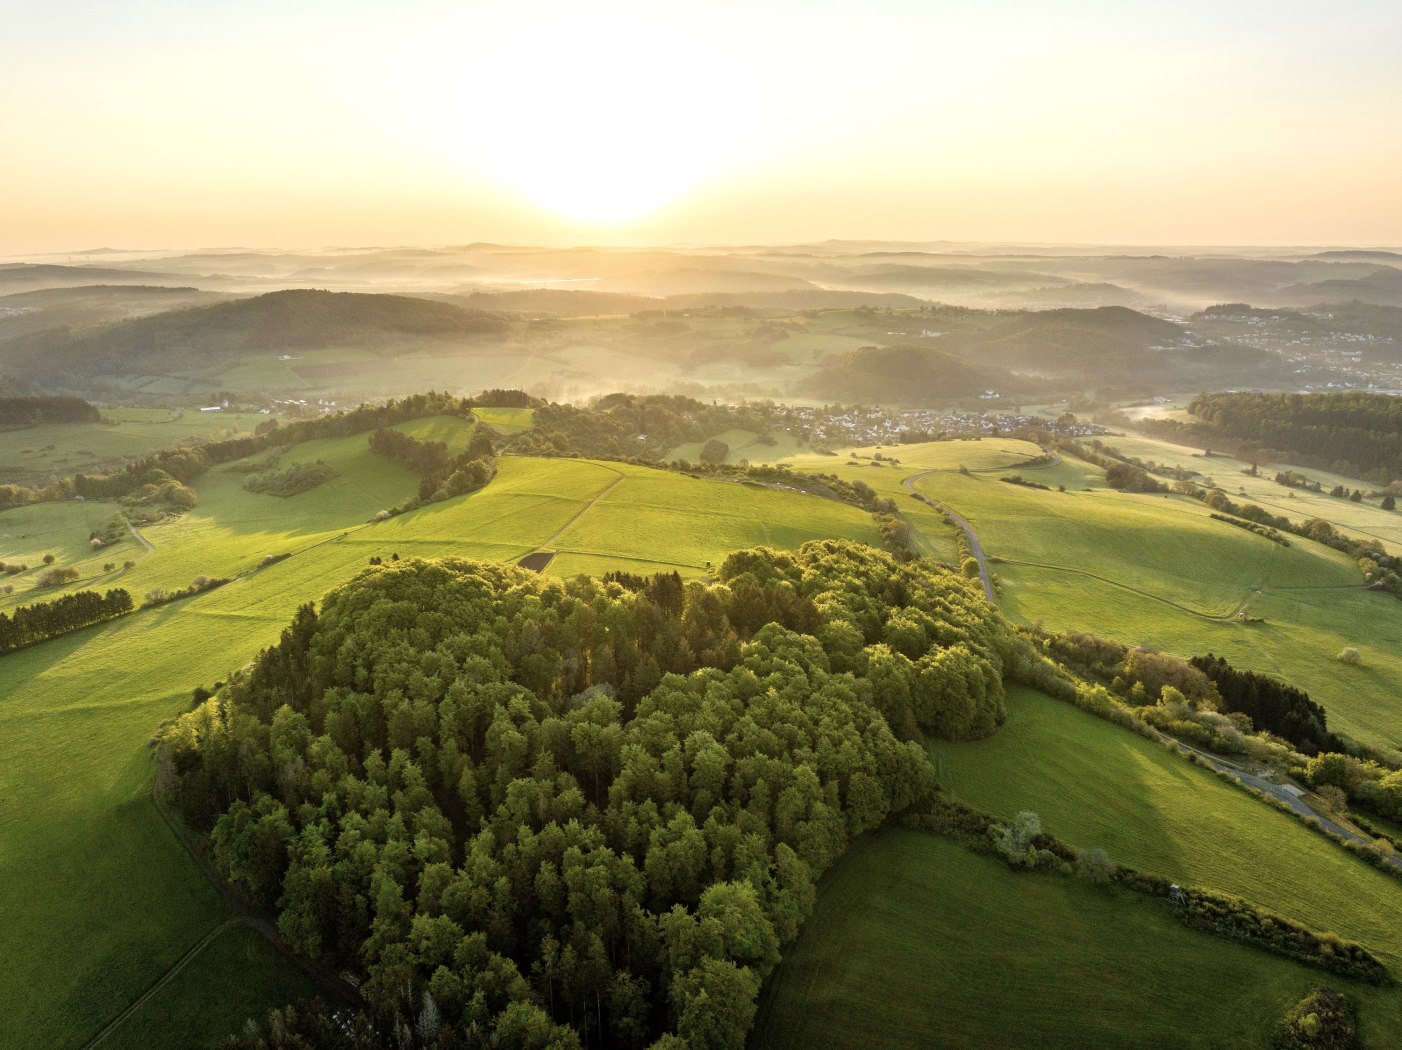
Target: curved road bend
<point x="964" y="527"/>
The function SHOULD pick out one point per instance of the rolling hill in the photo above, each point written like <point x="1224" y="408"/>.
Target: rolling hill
<point x="296" y="320"/>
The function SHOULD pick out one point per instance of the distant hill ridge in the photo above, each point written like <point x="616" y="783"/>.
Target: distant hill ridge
<point x="278" y="321"/>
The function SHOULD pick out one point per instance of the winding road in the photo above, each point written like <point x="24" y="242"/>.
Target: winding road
<point x="963" y="524"/>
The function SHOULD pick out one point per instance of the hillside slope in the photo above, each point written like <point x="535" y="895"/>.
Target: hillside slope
<point x="294" y="320"/>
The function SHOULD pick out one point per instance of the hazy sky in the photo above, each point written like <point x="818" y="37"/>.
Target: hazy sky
<point x="150" y="123"/>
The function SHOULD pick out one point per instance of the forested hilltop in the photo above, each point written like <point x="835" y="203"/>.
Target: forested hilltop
<point x="1350" y="433"/>
<point x="539" y="812"/>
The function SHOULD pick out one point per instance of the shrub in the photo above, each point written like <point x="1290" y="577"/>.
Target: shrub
<point x="1323" y="1020"/>
<point x="1351" y="656"/>
<point x="1095" y="866"/>
<point x="1335" y="799"/>
<point x="1017" y="843"/>
<point x="295" y="479"/>
<point x="57" y="577"/>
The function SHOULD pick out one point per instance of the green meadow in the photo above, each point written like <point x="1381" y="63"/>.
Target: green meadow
<point x="1365" y="519"/>
<point x="506" y="419"/>
<point x="744" y="445"/>
<point x="1155" y="569"/>
<point x="1096" y="785"/>
<point x="914" y="936"/>
<point x="197" y="1002"/>
<point x="63" y="530"/>
<point x="650" y="520"/>
<point x="918" y="942"/>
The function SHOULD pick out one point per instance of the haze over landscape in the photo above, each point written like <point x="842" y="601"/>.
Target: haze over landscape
<point x="700" y="527"/>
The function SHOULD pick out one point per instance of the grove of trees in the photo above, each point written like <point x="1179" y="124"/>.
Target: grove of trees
<point x="545" y="812"/>
<point x="26" y="411"/>
<point x="1351" y="432"/>
<point x="43" y="620"/>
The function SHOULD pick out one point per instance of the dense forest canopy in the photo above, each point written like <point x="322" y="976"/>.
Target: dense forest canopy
<point x="1351" y="433"/>
<point x="628" y="426"/>
<point x="566" y="812"/>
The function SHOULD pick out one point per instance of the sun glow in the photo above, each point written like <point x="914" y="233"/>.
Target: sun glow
<point x="604" y="118"/>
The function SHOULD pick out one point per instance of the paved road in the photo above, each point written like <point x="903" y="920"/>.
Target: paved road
<point x="139" y="538"/>
<point x="964" y="527"/>
<point x="1275" y="791"/>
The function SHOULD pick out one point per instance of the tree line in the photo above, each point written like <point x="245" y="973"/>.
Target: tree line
<point x="1381" y="571"/>
<point x="1351" y="432"/>
<point x="41" y="621"/>
<point x="1271" y="704"/>
<point x="443" y="474"/>
<point x="630" y="426"/>
<point x="27" y="411"/>
<point x="563" y="812"/>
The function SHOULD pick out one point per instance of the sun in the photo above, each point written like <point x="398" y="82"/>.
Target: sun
<point x="604" y="118"/>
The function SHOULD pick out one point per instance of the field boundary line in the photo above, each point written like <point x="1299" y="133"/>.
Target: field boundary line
<point x="1215" y="617"/>
<point x="625" y="557"/>
<point x="622" y="477"/>
<point x="243" y="916"/>
<point x="169" y="975"/>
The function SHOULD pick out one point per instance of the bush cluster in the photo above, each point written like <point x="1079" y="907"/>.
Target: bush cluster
<point x="298" y="478"/>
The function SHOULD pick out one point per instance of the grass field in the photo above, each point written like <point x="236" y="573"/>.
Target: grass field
<point x="197" y="1002"/>
<point x="933" y="536"/>
<point x="654" y="520"/>
<point x="453" y="431"/>
<point x="100" y="897"/>
<point x="1096" y="785"/>
<point x="63" y="530"/>
<point x="1366" y="519"/>
<point x="52" y="449"/>
<point x="506" y="419"/>
<point x="744" y="444"/>
<point x="1153" y="570"/>
<point x="917" y="942"/>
